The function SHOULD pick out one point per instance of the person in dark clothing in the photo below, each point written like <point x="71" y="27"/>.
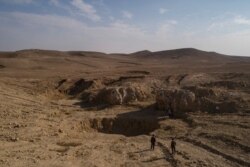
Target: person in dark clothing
<point x="170" y="111"/>
<point x="153" y="140"/>
<point x="173" y="146"/>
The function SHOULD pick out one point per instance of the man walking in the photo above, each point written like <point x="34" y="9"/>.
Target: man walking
<point x="153" y="140"/>
<point x="173" y="145"/>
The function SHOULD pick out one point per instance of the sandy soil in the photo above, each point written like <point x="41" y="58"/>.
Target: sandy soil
<point x="43" y="127"/>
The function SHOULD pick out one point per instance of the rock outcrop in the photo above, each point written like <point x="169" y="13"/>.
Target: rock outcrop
<point x="195" y="98"/>
<point x="121" y="95"/>
<point x="178" y="99"/>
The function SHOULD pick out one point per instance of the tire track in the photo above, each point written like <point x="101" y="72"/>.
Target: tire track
<point x="214" y="151"/>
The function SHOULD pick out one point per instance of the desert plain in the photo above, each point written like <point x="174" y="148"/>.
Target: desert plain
<point x="92" y="109"/>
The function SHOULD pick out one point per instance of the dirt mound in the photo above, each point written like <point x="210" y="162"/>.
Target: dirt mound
<point x="121" y="80"/>
<point x="196" y="98"/>
<point x="203" y="91"/>
<point x="213" y="106"/>
<point x="110" y="96"/>
<point x="122" y="95"/>
<point x="196" y="79"/>
<point x="77" y="87"/>
<point x="227" y="84"/>
<point x="178" y="99"/>
<point x="216" y="100"/>
<point x="106" y="90"/>
<point x="175" y="80"/>
<point x="188" y="79"/>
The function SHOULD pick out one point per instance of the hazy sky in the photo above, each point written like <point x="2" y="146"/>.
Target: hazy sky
<point x="126" y="25"/>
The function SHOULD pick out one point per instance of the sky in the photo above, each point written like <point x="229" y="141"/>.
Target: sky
<point x="126" y="26"/>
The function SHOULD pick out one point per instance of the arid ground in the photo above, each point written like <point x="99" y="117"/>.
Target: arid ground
<point x="90" y="109"/>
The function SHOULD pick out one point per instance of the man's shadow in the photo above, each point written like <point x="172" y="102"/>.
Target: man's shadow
<point x="141" y="151"/>
<point x="168" y="156"/>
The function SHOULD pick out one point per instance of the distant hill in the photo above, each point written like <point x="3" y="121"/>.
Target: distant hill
<point x="173" y="54"/>
<point x="176" y="53"/>
<point x="36" y="62"/>
<point x="142" y="53"/>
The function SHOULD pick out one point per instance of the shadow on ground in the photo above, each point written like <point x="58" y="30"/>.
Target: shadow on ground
<point x="134" y="123"/>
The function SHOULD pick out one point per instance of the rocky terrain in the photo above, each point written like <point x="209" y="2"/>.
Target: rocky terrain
<point x="93" y="109"/>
